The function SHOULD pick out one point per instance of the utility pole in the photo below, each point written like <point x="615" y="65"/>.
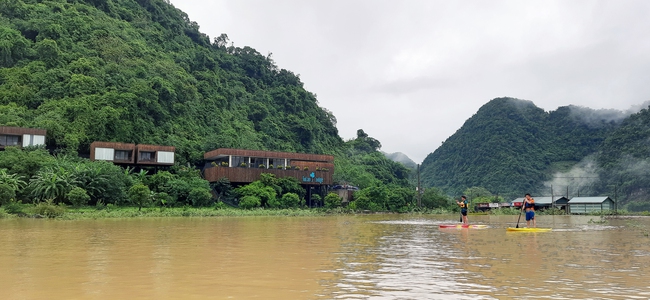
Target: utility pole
<point x="552" y="198"/>
<point x="419" y="188"/>
<point x="615" y="200"/>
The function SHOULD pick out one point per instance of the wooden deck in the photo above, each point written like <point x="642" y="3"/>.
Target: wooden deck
<point x="247" y="175"/>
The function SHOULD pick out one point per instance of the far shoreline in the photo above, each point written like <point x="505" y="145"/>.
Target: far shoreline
<point x="114" y="212"/>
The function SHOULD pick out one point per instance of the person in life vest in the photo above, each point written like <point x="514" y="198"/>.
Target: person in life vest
<point x="463" y="208"/>
<point x="529" y="206"/>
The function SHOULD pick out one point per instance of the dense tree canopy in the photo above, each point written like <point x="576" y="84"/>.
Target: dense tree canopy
<point x="511" y="147"/>
<point x="139" y="71"/>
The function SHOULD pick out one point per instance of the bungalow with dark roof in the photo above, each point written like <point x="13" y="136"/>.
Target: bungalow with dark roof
<point x="21" y="137"/>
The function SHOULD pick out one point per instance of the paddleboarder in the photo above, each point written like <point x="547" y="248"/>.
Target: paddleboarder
<point x="529" y="206"/>
<point x="463" y="208"/>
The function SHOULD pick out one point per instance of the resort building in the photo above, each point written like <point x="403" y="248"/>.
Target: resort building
<point x="132" y="154"/>
<point x="155" y="155"/>
<point x="21" y="137"/>
<point x="245" y="166"/>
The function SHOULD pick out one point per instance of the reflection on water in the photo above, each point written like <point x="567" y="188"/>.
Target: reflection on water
<point x="338" y="257"/>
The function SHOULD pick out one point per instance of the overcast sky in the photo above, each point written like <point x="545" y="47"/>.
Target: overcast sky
<point x="410" y="72"/>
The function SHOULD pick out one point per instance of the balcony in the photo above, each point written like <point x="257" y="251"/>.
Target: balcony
<point x="248" y="175"/>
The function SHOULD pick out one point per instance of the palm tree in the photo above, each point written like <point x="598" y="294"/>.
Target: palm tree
<point x="14" y="181"/>
<point x="52" y="184"/>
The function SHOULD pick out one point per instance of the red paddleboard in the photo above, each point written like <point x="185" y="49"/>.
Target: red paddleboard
<point x="459" y="226"/>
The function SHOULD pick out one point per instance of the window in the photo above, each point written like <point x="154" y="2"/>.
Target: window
<point x="256" y="162"/>
<point x="165" y="157"/>
<point x="237" y="161"/>
<point x="277" y="162"/>
<point x="9" y="140"/>
<point x="104" y="154"/>
<point x="147" y="156"/>
<point x="123" y="155"/>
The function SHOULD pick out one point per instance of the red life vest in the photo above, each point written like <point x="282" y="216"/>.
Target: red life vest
<point x="530" y="204"/>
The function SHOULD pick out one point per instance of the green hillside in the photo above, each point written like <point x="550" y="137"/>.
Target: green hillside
<point x="511" y="147"/>
<point x="624" y="160"/>
<point x="140" y="71"/>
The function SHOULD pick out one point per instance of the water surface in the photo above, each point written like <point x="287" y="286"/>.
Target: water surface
<point x="335" y="257"/>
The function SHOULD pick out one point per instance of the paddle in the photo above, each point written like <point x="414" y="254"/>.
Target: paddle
<point x="522" y="209"/>
<point x="461" y="212"/>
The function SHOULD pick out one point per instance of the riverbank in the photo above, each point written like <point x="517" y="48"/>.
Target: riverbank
<point x="63" y="212"/>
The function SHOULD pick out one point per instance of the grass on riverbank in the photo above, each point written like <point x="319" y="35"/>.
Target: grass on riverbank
<point x="50" y="210"/>
<point x="62" y="212"/>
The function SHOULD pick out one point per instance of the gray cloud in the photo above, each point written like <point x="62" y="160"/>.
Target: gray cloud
<point x="411" y="72"/>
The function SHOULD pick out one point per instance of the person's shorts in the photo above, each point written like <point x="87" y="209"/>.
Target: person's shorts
<point x="530" y="215"/>
<point x="463" y="212"/>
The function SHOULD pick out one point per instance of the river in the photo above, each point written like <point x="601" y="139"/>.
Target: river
<point x="334" y="257"/>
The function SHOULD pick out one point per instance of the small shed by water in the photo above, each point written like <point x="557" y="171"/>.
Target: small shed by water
<point x="587" y="205"/>
<point x="550" y="202"/>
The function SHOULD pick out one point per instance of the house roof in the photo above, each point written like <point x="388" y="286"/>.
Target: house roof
<point x="548" y="200"/>
<point x="541" y="200"/>
<point x="601" y="199"/>
<point x="225" y="152"/>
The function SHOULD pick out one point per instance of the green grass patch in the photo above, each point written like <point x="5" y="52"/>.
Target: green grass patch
<point x="133" y="212"/>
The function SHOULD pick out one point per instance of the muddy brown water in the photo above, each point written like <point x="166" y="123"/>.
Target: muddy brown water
<point x="334" y="257"/>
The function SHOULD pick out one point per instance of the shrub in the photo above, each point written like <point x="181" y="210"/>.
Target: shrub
<point x="266" y="194"/>
<point x="78" y="197"/>
<point x="291" y="185"/>
<point x="200" y="197"/>
<point x="305" y="169"/>
<point x="220" y="205"/>
<point x="162" y="199"/>
<point x="140" y="195"/>
<point x="7" y="193"/>
<point x="49" y="209"/>
<point x="261" y="166"/>
<point x="243" y="165"/>
<point x="291" y="200"/>
<point x="248" y="202"/>
<point x="3" y="213"/>
<point x="14" y="207"/>
<point x="332" y="200"/>
<point x="180" y="188"/>
<point x="160" y="181"/>
<point x="224" y="164"/>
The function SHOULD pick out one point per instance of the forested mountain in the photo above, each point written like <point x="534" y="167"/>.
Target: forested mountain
<point x="401" y="158"/>
<point x="139" y="71"/>
<point x="624" y="161"/>
<point x="512" y="147"/>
